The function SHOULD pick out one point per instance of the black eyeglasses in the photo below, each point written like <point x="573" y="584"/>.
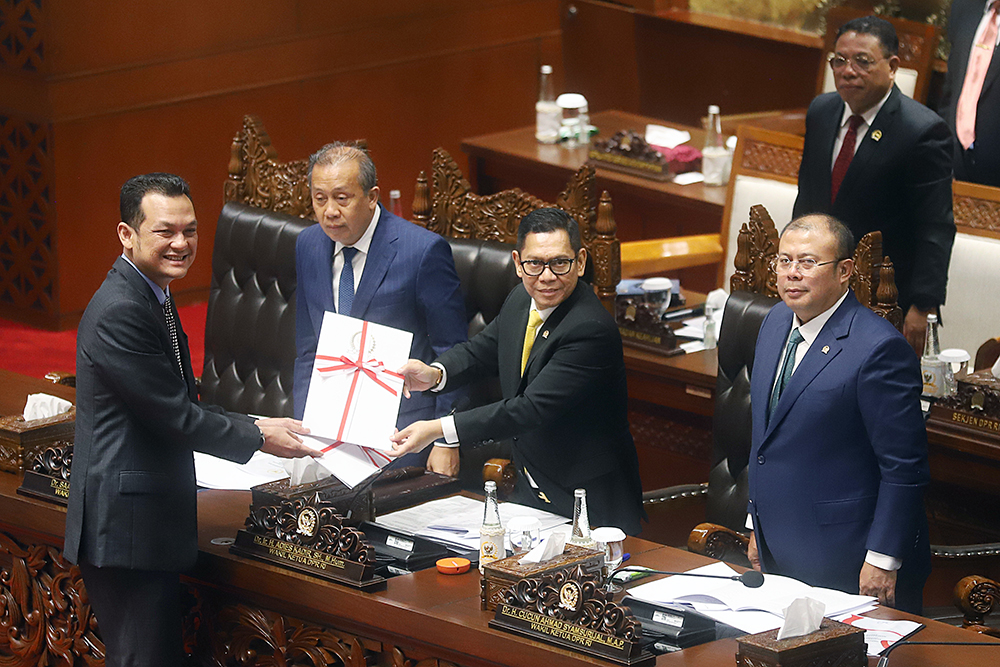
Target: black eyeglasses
<point x="559" y="266"/>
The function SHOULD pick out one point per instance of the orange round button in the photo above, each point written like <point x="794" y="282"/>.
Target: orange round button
<point x="453" y="565"/>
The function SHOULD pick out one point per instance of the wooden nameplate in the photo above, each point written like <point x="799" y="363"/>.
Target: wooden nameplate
<point x="628" y="152"/>
<point x="21" y="440"/>
<point x="47" y="476"/>
<point x="640" y="326"/>
<point x="975" y="408"/>
<point x="570" y="609"/>
<point x="308" y="536"/>
<point x="833" y="644"/>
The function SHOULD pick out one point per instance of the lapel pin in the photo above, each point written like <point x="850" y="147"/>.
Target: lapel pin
<point x="545" y="334"/>
<point x="876" y="135"/>
<point x="826" y="348"/>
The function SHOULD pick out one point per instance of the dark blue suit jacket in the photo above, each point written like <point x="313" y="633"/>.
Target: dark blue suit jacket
<point x="841" y="467"/>
<point x="409" y="283"/>
<point x="899" y="184"/>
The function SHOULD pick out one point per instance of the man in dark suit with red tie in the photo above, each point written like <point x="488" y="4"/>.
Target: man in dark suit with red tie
<point x="971" y="99"/>
<point x="131" y="524"/>
<point x="877" y="160"/>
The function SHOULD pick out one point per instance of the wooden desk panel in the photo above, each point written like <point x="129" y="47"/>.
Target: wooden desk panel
<point x="644" y="208"/>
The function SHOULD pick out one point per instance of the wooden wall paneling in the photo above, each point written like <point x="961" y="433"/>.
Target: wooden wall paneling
<point x="130" y="91"/>
<point x="683" y="68"/>
<point x="599" y="54"/>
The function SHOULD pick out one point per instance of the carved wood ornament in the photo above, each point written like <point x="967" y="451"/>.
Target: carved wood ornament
<point x="45" y="617"/>
<point x="447" y="205"/>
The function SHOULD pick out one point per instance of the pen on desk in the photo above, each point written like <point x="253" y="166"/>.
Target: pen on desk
<point x="448" y="529"/>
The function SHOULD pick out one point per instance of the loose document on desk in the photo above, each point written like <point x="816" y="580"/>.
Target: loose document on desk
<point x="455" y="521"/>
<point x="748" y="609"/>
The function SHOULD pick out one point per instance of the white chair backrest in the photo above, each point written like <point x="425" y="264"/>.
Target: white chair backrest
<point x="971" y="313"/>
<point x="778" y="197"/>
<point x="906" y="80"/>
<point x="765" y="171"/>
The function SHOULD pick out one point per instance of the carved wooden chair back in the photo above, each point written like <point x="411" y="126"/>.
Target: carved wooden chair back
<point x="257" y="178"/>
<point x="969" y="313"/>
<point x="446" y="204"/>
<point x="873" y="281"/>
<point x="917" y="44"/>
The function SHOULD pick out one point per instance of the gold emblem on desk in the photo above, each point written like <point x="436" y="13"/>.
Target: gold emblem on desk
<point x="571" y="609"/>
<point x="570" y="596"/>
<point x="308" y="519"/>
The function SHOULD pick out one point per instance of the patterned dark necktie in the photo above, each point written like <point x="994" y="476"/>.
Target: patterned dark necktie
<point x="844" y="157"/>
<point x="346" y="291"/>
<point x="171" y="318"/>
<point x="786" y="371"/>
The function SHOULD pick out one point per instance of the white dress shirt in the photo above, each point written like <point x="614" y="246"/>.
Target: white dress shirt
<point x="867" y="118"/>
<point x="362" y="246"/>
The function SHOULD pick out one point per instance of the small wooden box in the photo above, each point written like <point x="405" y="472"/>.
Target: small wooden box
<point x="21" y="440"/>
<point x="833" y="644"/>
<point x="502" y="574"/>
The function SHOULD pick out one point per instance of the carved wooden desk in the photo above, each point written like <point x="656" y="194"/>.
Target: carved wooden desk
<point x="644" y="209"/>
<point x="242" y="612"/>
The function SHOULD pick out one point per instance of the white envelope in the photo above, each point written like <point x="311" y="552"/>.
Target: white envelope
<point x="354" y="391"/>
<point x="350" y="464"/>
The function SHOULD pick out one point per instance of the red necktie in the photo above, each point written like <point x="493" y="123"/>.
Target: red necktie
<point x="975" y="75"/>
<point x="844" y="157"/>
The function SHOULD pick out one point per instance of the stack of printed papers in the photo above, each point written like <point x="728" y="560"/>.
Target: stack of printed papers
<point x="748" y="609"/>
<point x="455" y="521"/>
<point x="215" y="473"/>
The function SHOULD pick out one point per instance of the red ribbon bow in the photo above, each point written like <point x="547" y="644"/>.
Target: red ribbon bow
<point x="369" y="368"/>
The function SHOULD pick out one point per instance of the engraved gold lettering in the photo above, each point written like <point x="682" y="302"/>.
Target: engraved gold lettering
<point x="60" y="487"/>
<point x="976" y="422"/>
<point x="555" y="627"/>
<point x="638" y="335"/>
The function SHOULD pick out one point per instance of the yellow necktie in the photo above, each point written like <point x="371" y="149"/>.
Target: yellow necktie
<point x="534" y="320"/>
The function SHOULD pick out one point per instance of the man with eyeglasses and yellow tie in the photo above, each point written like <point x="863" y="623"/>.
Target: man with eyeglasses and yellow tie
<point x="838" y="458"/>
<point x="877" y="160"/>
<point x="558" y="355"/>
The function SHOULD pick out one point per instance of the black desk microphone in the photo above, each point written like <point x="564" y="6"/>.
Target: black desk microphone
<point x="750" y="578"/>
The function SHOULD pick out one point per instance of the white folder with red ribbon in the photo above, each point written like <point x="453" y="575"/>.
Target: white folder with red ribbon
<point x="354" y="394"/>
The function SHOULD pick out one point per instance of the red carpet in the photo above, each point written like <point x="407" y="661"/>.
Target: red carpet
<point x="35" y="352"/>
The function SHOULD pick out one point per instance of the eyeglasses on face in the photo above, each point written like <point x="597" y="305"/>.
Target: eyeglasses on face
<point x="860" y="62"/>
<point x="805" y="266"/>
<point x="559" y="266"/>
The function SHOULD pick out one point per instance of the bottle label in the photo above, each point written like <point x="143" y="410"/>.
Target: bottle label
<point x="933" y="377"/>
<point x="491" y="547"/>
<point x="548" y="117"/>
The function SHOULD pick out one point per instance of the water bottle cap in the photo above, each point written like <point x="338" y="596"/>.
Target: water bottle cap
<point x="954" y="356"/>
<point x="546" y="69"/>
<point x="713" y="108"/>
<point x="395" y="194"/>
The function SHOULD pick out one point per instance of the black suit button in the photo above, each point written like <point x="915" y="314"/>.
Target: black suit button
<point x="760" y="459"/>
<point x="515" y="438"/>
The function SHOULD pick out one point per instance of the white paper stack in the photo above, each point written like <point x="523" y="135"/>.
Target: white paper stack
<point x="749" y="609"/>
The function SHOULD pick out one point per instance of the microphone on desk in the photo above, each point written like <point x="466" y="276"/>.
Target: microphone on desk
<point x="750" y="578"/>
<point x="883" y="660"/>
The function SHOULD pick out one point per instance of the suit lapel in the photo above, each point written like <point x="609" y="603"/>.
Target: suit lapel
<point x="768" y="355"/>
<point x="381" y="252"/>
<point x="828" y="136"/>
<point x="322" y="281"/>
<point x="881" y="124"/>
<point x="824" y="349"/>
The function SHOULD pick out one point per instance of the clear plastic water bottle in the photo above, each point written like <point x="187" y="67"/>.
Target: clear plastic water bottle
<point x="548" y="114"/>
<point x="931" y="366"/>
<point x="581" y="522"/>
<point x="711" y="337"/>
<point x="491" y="533"/>
<point x="395" y="203"/>
<point x="715" y="155"/>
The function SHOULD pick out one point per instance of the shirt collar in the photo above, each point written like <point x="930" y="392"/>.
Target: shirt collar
<point x="160" y="295"/>
<point x="811" y="329"/>
<point x="365" y="241"/>
<point x="543" y="312"/>
<point x="867" y="116"/>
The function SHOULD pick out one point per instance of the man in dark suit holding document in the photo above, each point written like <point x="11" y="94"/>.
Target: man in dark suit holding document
<point x="131" y="521"/>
